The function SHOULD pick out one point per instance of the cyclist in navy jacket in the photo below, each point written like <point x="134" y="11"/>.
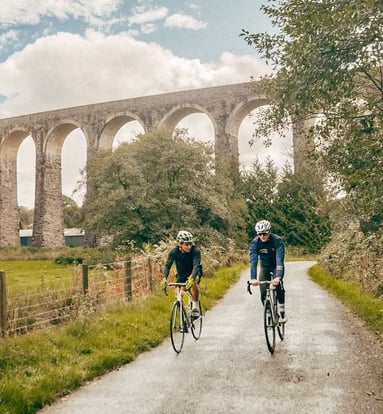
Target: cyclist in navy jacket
<point x="270" y="250"/>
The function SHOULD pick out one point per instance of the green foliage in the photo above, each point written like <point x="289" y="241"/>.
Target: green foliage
<point x="91" y="256"/>
<point x="68" y="259"/>
<point x="357" y="164"/>
<point x="147" y="190"/>
<point x="73" y="217"/>
<point x="295" y="204"/>
<point x="260" y="192"/>
<point x="303" y="213"/>
<point x="356" y="257"/>
<point x="328" y="60"/>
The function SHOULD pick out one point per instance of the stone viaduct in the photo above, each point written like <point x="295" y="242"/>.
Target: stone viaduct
<point x="226" y="106"/>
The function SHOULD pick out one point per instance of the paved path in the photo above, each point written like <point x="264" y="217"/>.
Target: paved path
<point x="327" y="364"/>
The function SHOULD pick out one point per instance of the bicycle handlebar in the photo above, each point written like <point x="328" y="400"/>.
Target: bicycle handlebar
<point x="165" y="289"/>
<point x="262" y="282"/>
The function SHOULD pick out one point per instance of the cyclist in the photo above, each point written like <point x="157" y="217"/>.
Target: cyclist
<point x="187" y="258"/>
<point x="269" y="249"/>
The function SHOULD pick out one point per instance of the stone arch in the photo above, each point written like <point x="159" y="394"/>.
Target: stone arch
<point x="9" y="218"/>
<point x="112" y="125"/>
<point x="177" y="113"/>
<point x="56" y="136"/>
<point x="11" y="143"/>
<point x="240" y="112"/>
<point x="48" y="225"/>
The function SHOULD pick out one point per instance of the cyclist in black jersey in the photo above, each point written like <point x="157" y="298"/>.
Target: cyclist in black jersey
<point x="269" y="249"/>
<point x="187" y="258"/>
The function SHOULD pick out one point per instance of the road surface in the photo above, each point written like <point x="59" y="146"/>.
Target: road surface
<point x="328" y="363"/>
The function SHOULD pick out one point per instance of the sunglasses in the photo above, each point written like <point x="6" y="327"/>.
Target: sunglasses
<point x="187" y="243"/>
<point x="263" y="234"/>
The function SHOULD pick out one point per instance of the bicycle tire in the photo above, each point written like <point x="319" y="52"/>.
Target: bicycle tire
<point x="196" y="325"/>
<point x="281" y="330"/>
<point x="177" y="327"/>
<point x="269" y="326"/>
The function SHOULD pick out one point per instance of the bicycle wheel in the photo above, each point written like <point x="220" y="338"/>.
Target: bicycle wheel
<point x="196" y="324"/>
<point x="281" y="330"/>
<point x="177" y="327"/>
<point x="269" y="326"/>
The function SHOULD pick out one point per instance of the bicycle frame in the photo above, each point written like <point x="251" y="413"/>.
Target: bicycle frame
<point x="181" y="320"/>
<point x="271" y="315"/>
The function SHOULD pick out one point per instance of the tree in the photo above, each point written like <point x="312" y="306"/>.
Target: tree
<point x="327" y="59"/>
<point x="303" y="216"/>
<point x="259" y="191"/>
<point x="25" y="217"/>
<point x="295" y="204"/>
<point x="150" y="188"/>
<point x="73" y="214"/>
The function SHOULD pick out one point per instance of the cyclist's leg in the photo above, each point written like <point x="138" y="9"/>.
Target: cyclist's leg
<point x="281" y="293"/>
<point x="264" y="274"/>
<point x="195" y="289"/>
<point x="281" y="300"/>
<point x="195" y="298"/>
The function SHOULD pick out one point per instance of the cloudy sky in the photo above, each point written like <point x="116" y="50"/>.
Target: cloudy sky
<point x="62" y="53"/>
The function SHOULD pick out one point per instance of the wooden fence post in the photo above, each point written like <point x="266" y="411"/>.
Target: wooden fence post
<point x="3" y="304"/>
<point x="85" y="279"/>
<point x="128" y="279"/>
<point x="150" y="270"/>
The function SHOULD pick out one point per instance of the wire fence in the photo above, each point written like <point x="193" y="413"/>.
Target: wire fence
<point x="53" y="301"/>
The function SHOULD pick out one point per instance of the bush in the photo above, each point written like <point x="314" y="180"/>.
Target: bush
<point x="354" y="256"/>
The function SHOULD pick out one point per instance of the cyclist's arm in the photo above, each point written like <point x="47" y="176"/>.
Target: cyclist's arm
<point x="196" y="262"/>
<point x="168" y="264"/>
<point x="253" y="253"/>
<point x="280" y="258"/>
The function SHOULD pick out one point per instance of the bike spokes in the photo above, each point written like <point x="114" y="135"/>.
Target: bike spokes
<point x="177" y="327"/>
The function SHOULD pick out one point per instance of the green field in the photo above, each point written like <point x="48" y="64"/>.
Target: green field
<point x="32" y="274"/>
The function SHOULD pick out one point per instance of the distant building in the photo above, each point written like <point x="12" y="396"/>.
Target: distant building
<point x="73" y="237"/>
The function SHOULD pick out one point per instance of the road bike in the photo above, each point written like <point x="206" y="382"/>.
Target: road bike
<point x="271" y="315"/>
<point x="181" y="319"/>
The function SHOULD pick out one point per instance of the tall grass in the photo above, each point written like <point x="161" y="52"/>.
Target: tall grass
<point x="38" y="368"/>
<point x="363" y="304"/>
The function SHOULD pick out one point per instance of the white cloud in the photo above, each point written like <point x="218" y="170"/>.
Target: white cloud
<point x="32" y="11"/>
<point x="67" y="70"/>
<point x="148" y="28"/>
<point x="149" y="15"/>
<point x="184" y="21"/>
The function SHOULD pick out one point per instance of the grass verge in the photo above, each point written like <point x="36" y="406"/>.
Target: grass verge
<point x="363" y="304"/>
<point x="38" y="368"/>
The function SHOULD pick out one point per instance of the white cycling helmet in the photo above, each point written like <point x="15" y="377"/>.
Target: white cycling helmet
<point x="263" y="226"/>
<point x="184" y="237"/>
